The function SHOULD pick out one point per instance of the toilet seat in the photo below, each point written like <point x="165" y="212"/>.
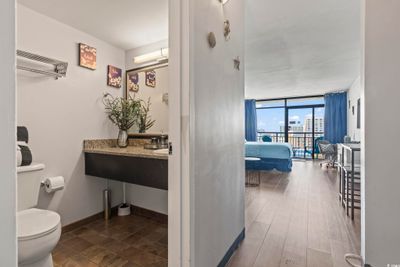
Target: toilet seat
<point x="35" y="223"/>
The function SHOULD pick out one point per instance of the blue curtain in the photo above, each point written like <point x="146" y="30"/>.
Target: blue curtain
<point x="250" y="120"/>
<point x="335" y="117"/>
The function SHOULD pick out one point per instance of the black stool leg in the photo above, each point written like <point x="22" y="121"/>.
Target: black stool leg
<point x="340" y="185"/>
<point x="352" y="185"/>
<point x="343" y="188"/>
<point x="347" y="194"/>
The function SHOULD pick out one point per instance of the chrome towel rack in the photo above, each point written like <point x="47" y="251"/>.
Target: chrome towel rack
<point x="60" y="67"/>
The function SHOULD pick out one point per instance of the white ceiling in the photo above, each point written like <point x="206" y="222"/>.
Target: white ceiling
<point x="293" y="48"/>
<point x="296" y="48"/>
<point x="124" y="23"/>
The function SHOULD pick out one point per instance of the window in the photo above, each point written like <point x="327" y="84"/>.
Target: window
<point x="298" y="121"/>
<point x="305" y="101"/>
<point x="271" y="120"/>
<point x="270" y="104"/>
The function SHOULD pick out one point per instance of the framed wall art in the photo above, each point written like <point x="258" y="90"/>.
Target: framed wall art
<point x="132" y="81"/>
<point x="87" y="56"/>
<point x="114" y="77"/>
<point x="135" y="79"/>
<point x="151" y="78"/>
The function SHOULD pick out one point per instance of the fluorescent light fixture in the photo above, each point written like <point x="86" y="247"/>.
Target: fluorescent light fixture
<point x="158" y="55"/>
<point x="223" y="1"/>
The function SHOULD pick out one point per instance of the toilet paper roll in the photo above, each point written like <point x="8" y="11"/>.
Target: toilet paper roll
<point x="53" y="184"/>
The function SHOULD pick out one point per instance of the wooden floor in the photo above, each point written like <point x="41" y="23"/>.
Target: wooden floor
<point x="296" y="220"/>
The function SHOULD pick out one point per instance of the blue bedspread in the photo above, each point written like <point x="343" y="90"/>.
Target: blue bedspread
<point x="273" y="156"/>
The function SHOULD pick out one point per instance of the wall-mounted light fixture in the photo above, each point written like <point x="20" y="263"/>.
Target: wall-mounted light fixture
<point x="223" y="1"/>
<point x="159" y="55"/>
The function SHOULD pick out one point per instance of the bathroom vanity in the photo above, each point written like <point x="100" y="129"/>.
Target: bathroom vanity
<point x="133" y="164"/>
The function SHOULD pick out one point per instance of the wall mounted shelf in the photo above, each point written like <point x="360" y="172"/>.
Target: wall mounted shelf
<point x="60" y="67"/>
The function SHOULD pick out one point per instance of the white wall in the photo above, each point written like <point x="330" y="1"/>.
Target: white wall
<point x="60" y="114"/>
<point x="8" y="240"/>
<point x="147" y="197"/>
<point x="353" y="95"/>
<point x="382" y="94"/>
<point x="217" y="133"/>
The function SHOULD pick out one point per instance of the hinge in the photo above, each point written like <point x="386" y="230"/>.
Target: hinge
<point x="170" y="148"/>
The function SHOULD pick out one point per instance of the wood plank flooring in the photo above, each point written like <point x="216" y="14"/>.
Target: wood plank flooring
<point x="296" y="219"/>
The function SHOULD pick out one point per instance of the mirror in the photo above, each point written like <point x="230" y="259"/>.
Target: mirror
<point x="150" y="82"/>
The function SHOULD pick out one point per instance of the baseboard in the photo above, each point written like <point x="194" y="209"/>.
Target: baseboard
<point x="77" y="224"/>
<point x="150" y="214"/>
<point x="232" y="249"/>
<point x="153" y="215"/>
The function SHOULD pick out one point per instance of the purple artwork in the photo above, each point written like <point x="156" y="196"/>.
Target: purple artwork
<point x="151" y="78"/>
<point x="114" y="77"/>
<point x="132" y="81"/>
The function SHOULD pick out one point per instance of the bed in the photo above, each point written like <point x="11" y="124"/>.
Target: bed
<point x="273" y="156"/>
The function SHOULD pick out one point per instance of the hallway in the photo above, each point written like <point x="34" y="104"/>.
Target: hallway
<point x="296" y="219"/>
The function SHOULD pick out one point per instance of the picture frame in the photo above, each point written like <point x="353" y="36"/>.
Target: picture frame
<point x="114" y="76"/>
<point x="87" y="56"/>
<point x="150" y="78"/>
<point x="132" y="81"/>
<point x="141" y="71"/>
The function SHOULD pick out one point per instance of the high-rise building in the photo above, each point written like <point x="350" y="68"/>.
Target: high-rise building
<point x="294" y="126"/>
<point x="318" y="124"/>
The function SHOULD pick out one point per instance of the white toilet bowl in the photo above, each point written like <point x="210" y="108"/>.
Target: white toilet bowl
<point x="38" y="234"/>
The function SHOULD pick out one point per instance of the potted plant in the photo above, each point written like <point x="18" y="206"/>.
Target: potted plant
<point x="124" y="113"/>
<point x="145" y="122"/>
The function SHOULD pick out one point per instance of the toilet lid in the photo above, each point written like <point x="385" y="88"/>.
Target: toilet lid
<point x="33" y="223"/>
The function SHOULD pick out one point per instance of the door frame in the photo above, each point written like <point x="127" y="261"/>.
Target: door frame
<point x="179" y="248"/>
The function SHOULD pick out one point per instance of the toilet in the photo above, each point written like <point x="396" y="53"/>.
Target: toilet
<point x="38" y="230"/>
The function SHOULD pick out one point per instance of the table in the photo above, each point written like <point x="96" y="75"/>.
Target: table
<point x="251" y="180"/>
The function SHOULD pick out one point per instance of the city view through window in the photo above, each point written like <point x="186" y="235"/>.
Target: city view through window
<point x="291" y="121"/>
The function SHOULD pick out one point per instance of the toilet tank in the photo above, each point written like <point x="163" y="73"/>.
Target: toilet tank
<point x="28" y="185"/>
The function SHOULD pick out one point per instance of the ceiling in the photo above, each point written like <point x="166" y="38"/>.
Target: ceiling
<point x="293" y="48"/>
<point x="125" y="23"/>
<point x="299" y="48"/>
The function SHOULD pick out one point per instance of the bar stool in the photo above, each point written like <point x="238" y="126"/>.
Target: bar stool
<point x="351" y="189"/>
<point x="252" y="180"/>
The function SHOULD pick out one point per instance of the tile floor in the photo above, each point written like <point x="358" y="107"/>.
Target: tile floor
<point x="130" y="241"/>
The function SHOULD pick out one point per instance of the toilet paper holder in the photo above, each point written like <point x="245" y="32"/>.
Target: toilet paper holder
<point x="51" y="184"/>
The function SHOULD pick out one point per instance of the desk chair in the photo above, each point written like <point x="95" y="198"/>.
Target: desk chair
<point x="328" y="150"/>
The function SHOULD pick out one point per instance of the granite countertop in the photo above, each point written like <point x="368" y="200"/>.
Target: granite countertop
<point x="109" y="147"/>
